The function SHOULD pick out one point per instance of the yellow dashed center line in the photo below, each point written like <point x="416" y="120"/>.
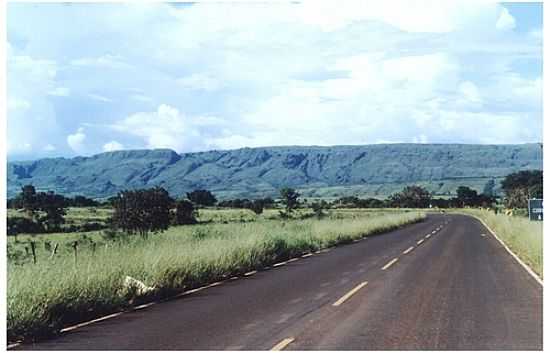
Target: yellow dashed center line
<point x="349" y="294"/>
<point x="386" y="266"/>
<point x="281" y="345"/>
<point x="408" y="250"/>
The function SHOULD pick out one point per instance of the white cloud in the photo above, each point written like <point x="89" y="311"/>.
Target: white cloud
<point x="505" y="20"/>
<point x="99" y="97"/>
<point x="104" y="61"/>
<point x="60" y="92"/>
<point x="76" y="141"/>
<point x="164" y="128"/>
<point x="112" y="146"/>
<point x="470" y="92"/>
<point x="141" y="98"/>
<point x="18" y="104"/>
<point x="202" y="82"/>
<point x="271" y="73"/>
<point x="49" y="148"/>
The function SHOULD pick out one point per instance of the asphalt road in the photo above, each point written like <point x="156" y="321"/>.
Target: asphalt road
<point x="455" y="290"/>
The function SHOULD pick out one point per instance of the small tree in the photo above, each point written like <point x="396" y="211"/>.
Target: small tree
<point x="318" y="208"/>
<point x="202" y="197"/>
<point x="411" y="197"/>
<point x="466" y="196"/>
<point x="257" y="206"/>
<point x="28" y="201"/>
<point x="185" y="213"/>
<point x="54" y="208"/>
<point x="142" y="211"/>
<point x="521" y="186"/>
<point x="289" y="198"/>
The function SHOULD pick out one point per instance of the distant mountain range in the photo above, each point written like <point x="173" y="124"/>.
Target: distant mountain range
<point x="370" y="170"/>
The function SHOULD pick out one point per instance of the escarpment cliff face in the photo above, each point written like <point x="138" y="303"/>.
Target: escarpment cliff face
<point x="375" y="170"/>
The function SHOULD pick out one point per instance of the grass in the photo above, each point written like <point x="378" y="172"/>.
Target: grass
<point x="522" y="236"/>
<point x="56" y="292"/>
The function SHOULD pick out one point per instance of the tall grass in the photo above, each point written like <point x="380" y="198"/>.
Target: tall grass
<point x="522" y="236"/>
<point x="44" y="298"/>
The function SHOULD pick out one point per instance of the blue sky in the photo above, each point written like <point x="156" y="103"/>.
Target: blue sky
<point x="89" y="78"/>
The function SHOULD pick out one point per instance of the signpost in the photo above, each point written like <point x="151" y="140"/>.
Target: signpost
<point x="535" y="209"/>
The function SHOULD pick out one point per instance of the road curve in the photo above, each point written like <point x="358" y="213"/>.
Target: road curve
<point x="438" y="284"/>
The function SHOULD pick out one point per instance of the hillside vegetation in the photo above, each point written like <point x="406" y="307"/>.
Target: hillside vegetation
<point x="371" y="170"/>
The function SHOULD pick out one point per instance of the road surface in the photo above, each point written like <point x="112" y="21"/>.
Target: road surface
<point x="444" y="283"/>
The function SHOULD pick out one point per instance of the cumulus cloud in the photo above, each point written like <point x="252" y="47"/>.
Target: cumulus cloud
<point x="505" y="20"/>
<point x="76" y="140"/>
<point x="164" y="128"/>
<point x="112" y="146"/>
<point x="256" y="74"/>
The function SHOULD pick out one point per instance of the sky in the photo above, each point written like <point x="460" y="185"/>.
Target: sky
<point x="90" y="78"/>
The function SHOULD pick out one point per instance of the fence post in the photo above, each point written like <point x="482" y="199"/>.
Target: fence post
<point x="75" y="247"/>
<point x="33" y="249"/>
<point x="54" y="251"/>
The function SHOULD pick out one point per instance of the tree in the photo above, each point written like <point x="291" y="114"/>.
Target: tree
<point x="519" y="187"/>
<point x="202" y="197"/>
<point x="411" y="197"/>
<point x="185" y="213"/>
<point x="28" y="200"/>
<point x="54" y="208"/>
<point x="489" y="188"/>
<point x="142" y="211"/>
<point x="466" y="196"/>
<point x="257" y="206"/>
<point x="318" y="208"/>
<point x="289" y="198"/>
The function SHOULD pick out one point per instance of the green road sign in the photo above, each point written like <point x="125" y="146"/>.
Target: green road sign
<point x="535" y="209"/>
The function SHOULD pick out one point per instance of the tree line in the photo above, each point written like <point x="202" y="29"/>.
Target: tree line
<point x="153" y="210"/>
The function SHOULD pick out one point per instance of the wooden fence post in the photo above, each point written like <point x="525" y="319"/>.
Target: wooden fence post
<point x="54" y="251"/>
<point x="75" y="247"/>
<point x="33" y="249"/>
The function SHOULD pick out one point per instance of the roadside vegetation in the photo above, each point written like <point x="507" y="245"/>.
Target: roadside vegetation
<point x="70" y="288"/>
<point x="73" y="259"/>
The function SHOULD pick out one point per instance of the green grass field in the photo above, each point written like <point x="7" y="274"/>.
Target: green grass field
<point x="522" y="236"/>
<point x="55" y="292"/>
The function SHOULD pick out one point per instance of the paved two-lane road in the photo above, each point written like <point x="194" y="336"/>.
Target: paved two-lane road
<point x="444" y="283"/>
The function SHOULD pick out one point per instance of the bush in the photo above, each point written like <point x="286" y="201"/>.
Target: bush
<point x="18" y="225"/>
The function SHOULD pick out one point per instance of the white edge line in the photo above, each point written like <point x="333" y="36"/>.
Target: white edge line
<point x="292" y="260"/>
<point x="281" y="345"/>
<point x="70" y="328"/>
<point x="523" y="264"/>
<point x="13" y="345"/>
<point x="408" y="250"/>
<point x="427" y="236"/>
<point x="250" y="273"/>
<point x="279" y="264"/>
<point x="420" y="241"/>
<point x="307" y="255"/>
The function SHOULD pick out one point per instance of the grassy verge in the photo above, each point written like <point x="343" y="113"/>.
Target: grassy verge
<point x="44" y="298"/>
<point x="522" y="236"/>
